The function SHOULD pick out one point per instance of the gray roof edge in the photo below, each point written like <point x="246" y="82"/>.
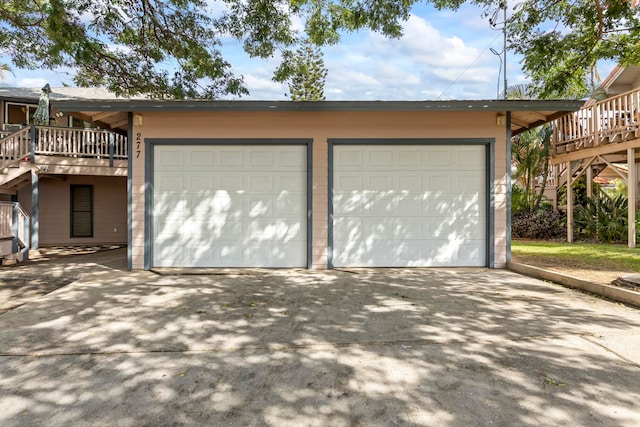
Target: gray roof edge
<point x="383" y="106"/>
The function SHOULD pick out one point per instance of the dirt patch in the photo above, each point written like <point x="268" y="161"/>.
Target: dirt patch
<point x="18" y="290"/>
<point x="600" y="273"/>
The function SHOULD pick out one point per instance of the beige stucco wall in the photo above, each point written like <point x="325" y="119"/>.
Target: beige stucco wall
<point x="109" y="203"/>
<point x="319" y="126"/>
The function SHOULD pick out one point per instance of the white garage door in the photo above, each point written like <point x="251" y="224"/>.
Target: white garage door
<point x="409" y="205"/>
<point x="230" y="206"/>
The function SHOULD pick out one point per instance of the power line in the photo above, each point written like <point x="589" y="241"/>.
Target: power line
<point x="469" y="66"/>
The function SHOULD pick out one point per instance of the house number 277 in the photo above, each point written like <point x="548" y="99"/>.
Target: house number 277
<point x="138" y="141"/>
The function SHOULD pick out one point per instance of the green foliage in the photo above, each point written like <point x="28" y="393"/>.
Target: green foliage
<point x="305" y="71"/>
<point x="620" y="188"/>
<point x="530" y="155"/>
<point x="579" y="192"/>
<point x="598" y="256"/>
<point x="561" y="41"/>
<point x="125" y="45"/>
<point x="540" y="224"/>
<point x="129" y="45"/>
<point x="5" y="68"/>
<point x="603" y="218"/>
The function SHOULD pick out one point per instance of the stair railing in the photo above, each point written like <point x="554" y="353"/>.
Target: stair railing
<point x="14" y="228"/>
<point x="15" y="147"/>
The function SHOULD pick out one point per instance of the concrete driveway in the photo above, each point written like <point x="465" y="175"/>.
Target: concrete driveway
<point x="387" y="347"/>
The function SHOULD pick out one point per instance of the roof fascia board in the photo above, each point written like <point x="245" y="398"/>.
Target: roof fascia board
<point x="362" y="106"/>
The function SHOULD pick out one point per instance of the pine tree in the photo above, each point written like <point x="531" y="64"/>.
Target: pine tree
<point x="305" y="72"/>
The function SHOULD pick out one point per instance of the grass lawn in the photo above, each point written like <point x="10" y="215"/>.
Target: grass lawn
<point x="588" y="256"/>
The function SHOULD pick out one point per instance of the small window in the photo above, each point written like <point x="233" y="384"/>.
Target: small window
<point x="82" y="211"/>
<point x="19" y="114"/>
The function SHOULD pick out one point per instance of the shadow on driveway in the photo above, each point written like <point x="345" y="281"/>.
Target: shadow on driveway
<point x="383" y="347"/>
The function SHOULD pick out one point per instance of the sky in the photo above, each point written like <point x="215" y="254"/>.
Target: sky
<point x="442" y="55"/>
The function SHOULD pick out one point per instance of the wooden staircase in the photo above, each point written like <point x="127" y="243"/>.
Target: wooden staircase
<point x="14" y="232"/>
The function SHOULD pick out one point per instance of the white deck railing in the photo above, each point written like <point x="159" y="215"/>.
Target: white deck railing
<point x="60" y="141"/>
<point x="14" y="230"/>
<point x="612" y="120"/>
<point x="76" y="142"/>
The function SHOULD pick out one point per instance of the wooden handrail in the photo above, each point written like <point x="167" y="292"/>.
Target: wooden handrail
<point x="60" y="141"/>
<point x="15" y="147"/>
<point x="611" y="120"/>
<point x="14" y="225"/>
<point x="97" y="143"/>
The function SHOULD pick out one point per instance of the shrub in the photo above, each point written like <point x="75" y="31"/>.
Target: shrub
<point x="603" y="218"/>
<point x="541" y="224"/>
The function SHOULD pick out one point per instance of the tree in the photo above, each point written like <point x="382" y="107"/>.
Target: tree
<point x="305" y="71"/>
<point x="130" y="45"/>
<point x="126" y="45"/>
<point x="4" y="68"/>
<point x="561" y="41"/>
<point x="530" y="152"/>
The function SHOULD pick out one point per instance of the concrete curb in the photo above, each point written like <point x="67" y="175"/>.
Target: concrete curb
<point x="612" y="292"/>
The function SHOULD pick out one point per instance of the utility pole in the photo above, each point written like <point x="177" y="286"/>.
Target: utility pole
<point x="503" y="5"/>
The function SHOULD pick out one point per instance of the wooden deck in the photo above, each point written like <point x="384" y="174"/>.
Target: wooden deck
<point x="604" y="127"/>
<point x="28" y="142"/>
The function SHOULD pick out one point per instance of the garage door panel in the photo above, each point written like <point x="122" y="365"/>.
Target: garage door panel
<point x="170" y="182"/>
<point x="259" y="183"/>
<point x="467" y="182"/>
<point x="411" y="182"/>
<point x="229" y="182"/>
<point x="410" y="159"/>
<point x="168" y="159"/>
<point x="471" y="159"/>
<point x="380" y="204"/>
<point x="200" y="157"/>
<point x="348" y="182"/>
<point x="388" y="214"/>
<point x="348" y="202"/>
<point x="350" y="229"/>
<point x="258" y="158"/>
<point x="380" y="182"/>
<point x="409" y="204"/>
<point x="436" y="227"/>
<point x="437" y="203"/>
<point x="273" y="230"/>
<point x="197" y="181"/>
<point x="349" y="158"/>
<point x="438" y="159"/>
<point x="290" y="183"/>
<point x="438" y="182"/>
<point x="291" y="159"/>
<point x="290" y="205"/>
<point x="230" y="158"/>
<point x="248" y="210"/>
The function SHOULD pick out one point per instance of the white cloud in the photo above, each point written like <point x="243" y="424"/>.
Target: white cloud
<point x="31" y="82"/>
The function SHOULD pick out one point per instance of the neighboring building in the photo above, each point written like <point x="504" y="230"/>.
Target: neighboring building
<point x="318" y="184"/>
<point x="602" y="137"/>
<point x="76" y="170"/>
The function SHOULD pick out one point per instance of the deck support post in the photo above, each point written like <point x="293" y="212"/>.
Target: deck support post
<point x="589" y="178"/>
<point x="632" y="195"/>
<point x="569" y="204"/>
<point x="35" y="210"/>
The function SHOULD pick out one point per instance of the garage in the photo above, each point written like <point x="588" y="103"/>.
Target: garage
<point x="417" y="203"/>
<point x="230" y="204"/>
